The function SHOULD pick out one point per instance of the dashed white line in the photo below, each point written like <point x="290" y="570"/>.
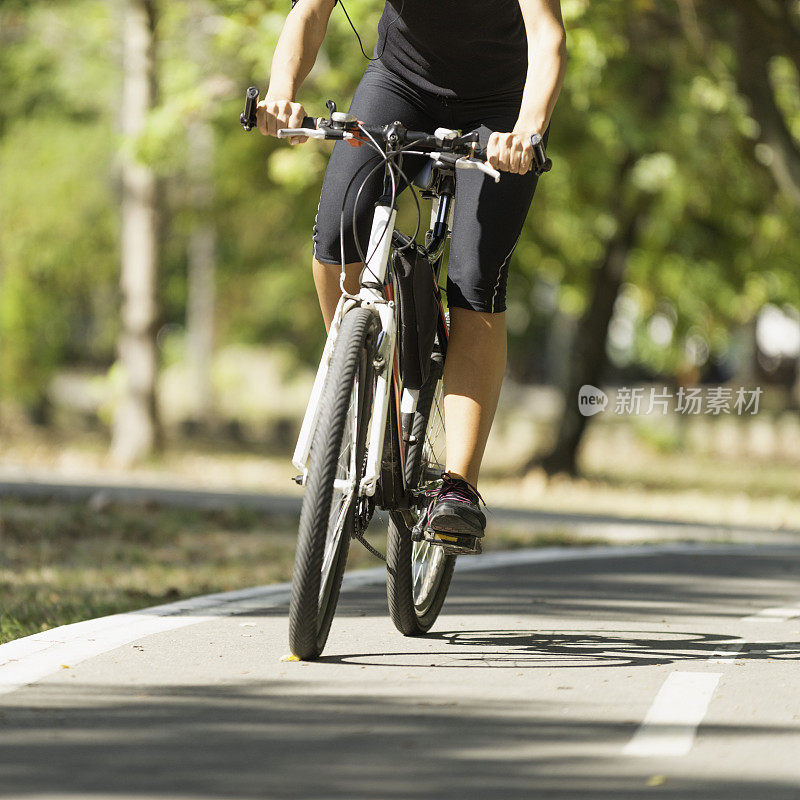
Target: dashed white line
<point x="670" y="727"/>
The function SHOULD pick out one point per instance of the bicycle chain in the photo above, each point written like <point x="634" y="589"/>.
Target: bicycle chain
<point x="364" y="510"/>
<point x="360" y="537"/>
<point x="363" y="516"/>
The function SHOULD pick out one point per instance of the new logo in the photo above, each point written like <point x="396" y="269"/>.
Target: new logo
<point x="591" y="400"/>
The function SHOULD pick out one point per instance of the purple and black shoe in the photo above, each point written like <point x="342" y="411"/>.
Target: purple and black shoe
<point x="453" y="517"/>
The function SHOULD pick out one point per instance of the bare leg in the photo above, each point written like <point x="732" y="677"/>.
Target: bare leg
<point x="473" y="375"/>
<point x="326" y="279"/>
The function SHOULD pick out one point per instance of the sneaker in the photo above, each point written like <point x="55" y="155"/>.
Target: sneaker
<point x="454" y="518"/>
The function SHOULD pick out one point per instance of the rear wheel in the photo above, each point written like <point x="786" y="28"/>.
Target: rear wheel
<point x="335" y="468"/>
<point x="420" y="573"/>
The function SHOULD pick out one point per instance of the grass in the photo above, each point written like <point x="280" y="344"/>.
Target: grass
<point x="66" y="562"/>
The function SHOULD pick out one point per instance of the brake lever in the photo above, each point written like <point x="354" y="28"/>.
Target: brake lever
<point x="323" y="132"/>
<point x="481" y="166"/>
<point x="464" y="162"/>
<point x="311" y="133"/>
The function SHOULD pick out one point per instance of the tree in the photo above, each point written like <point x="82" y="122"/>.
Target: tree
<point x="135" y="431"/>
<point x="202" y="246"/>
<point x="58" y="241"/>
<point x="714" y="241"/>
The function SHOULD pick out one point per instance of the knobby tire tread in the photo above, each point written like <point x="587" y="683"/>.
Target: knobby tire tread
<point x="307" y="635"/>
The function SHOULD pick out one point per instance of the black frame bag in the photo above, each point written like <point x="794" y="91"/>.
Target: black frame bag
<point x="417" y="314"/>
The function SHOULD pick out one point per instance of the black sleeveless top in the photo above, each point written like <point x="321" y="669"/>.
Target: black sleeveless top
<point x="455" y="48"/>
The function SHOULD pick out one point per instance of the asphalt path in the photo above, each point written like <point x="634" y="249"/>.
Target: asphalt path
<point x="632" y="672"/>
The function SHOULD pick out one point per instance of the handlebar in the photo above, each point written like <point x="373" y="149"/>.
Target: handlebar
<point x="249" y="117"/>
<point x="445" y="146"/>
<point x="541" y="162"/>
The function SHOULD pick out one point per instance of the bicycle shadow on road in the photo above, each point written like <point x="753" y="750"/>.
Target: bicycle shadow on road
<point x="594" y="613"/>
<point x="571" y="649"/>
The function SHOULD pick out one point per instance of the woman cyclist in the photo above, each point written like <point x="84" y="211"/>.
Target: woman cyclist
<point x="463" y="64"/>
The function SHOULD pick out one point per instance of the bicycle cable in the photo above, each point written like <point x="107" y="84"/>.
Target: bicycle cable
<point x="342" y="215"/>
<point x="395" y="154"/>
<point x="391" y="167"/>
<point x="395" y="172"/>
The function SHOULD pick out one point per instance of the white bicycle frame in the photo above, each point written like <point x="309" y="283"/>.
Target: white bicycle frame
<point x="380" y="243"/>
<point x="377" y="264"/>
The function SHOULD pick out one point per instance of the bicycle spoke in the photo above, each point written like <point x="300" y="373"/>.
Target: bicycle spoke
<point x="418" y="561"/>
<point x="425" y="559"/>
<point x="425" y="562"/>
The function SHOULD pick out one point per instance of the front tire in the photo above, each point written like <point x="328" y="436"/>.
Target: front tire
<point x="335" y="468"/>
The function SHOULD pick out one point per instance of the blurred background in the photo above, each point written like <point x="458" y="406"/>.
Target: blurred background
<point x="158" y="324"/>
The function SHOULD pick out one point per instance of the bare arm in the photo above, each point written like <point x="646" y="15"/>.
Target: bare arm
<point x="294" y="56"/>
<point x="547" y="60"/>
<point x="547" y="55"/>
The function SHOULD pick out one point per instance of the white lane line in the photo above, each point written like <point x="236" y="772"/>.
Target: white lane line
<point x="25" y="661"/>
<point x="779" y="614"/>
<point x="28" y="660"/>
<point x="670" y="727"/>
<point x="727" y="652"/>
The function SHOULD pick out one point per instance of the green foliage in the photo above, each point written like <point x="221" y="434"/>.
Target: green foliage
<point x="58" y="241"/>
<point x="716" y="242"/>
<point x="57" y="210"/>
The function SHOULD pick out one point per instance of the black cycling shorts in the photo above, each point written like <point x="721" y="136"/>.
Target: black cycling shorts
<point x="488" y="216"/>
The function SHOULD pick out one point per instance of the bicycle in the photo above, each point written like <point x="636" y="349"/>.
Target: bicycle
<point x="373" y="433"/>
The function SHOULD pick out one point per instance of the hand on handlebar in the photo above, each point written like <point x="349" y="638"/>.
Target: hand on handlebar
<point x="511" y="152"/>
<point x="276" y="114"/>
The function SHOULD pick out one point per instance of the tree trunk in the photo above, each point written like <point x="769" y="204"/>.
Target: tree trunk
<point x="202" y="249"/>
<point x="135" y="432"/>
<point x="758" y="33"/>
<point x="201" y="262"/>
<point x="588" y="359"/>
<point x="752" y="76"/>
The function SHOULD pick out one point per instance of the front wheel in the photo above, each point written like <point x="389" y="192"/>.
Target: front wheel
<point x="335" y="468"/>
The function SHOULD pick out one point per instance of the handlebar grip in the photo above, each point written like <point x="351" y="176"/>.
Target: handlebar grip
<point x="248" y="118"/>
<point x="543" y="163"/>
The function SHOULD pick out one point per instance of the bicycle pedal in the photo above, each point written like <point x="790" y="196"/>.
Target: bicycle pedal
<point x="418" y="531"/>
<point x="454" y="543"/>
